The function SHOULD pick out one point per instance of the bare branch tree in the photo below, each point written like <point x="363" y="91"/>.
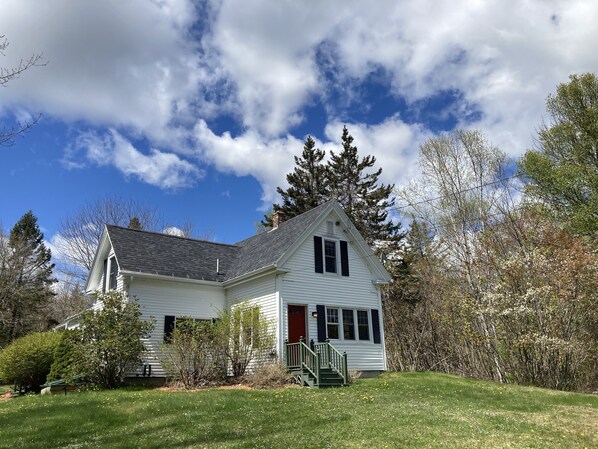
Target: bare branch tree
<point x="461" y="193"/>
<point x="79" y="233"/>
<point x="9" y="134"/>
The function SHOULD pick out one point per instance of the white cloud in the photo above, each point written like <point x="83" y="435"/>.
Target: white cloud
<point x="138" y="67"/>
<point x="165" y="170"/>
<point x="501" y="59"/>
<point x="125" y="64"/>
<point x="250" y="154"/>
<point x="173" y="230"/>
<point x="270" y="159"/>
<point x="392" y="142"/>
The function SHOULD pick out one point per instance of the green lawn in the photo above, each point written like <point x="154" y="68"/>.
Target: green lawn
<point x="395" y="410"/>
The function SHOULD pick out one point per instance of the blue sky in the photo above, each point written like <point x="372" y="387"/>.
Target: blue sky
<point x="197" y="108"/>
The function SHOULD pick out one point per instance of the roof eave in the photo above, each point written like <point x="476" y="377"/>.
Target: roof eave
<point x="99" y="249"/>
<point x="269" y="269"/>
<point x="162" y="277"/>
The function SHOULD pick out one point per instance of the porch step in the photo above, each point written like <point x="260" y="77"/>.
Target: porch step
<point x="321" y="358"/>
<point x="328" y="378"/>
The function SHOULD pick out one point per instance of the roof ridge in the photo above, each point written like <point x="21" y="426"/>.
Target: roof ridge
<point x="233" y="245"/>
<point x="285" y="222"/>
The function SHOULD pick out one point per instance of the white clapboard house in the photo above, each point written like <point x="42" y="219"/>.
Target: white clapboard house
<point x="313" y="275"/>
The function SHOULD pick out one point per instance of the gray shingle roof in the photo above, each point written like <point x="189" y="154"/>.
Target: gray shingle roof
<point x="265" y="249"/>
<point x="167" y="255"/>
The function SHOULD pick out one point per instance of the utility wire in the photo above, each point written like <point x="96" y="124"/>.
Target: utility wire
<point x="429" y="200"/>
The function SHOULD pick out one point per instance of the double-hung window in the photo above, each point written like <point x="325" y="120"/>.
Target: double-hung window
<point x="363" y="325"/>
<point x="328" y="253"/>
<point x="355" y="324"/>
<point x="332" y="323"/>
<point x="330" y="256"/>
<point x="348" y="324"/>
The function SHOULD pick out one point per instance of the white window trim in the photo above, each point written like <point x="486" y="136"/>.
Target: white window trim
<point x="338" y="323"/>
<point x="341" y="331"/>
<point x="337" y="251"/>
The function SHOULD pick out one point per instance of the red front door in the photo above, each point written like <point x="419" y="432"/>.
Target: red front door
<point x="296" y="323"/>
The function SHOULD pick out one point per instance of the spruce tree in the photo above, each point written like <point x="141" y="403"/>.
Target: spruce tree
<point x="307" y="184"/>
<point x="25" y="280"/>
<point x="134" y="223"/>
<point x="364" y="200"/>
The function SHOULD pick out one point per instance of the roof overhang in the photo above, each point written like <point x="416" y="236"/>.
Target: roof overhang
<point x="162" y="277"/>
<point x="95" y="273"/>
<point x="270" y="269"/>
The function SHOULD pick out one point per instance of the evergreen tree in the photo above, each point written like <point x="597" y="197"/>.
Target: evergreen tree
<point x="134" y="223"/>
<point x="364" y="200"/>
<point x="307" y="184"/>
<point x="25" y="279"/>
<point x="563" y="171"/>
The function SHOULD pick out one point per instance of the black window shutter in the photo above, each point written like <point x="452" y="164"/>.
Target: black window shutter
<point x="344" y="259"/>
<point x="376" y="325"/>
<point x="168" y="327"/>
<point x="105" y="280"/>
<point x="321" y="310"/>
<point x="318" y="257"/>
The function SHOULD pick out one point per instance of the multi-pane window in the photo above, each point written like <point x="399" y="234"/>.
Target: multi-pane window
<point x="363" y="325"/>
<point x="113" y="273"/>
<point x="348" y="324"/>
<point x="330" y="256"/>
<point x="355" y="324"/>
<point x="183" y="323"/>
<point x="332" y="323"/>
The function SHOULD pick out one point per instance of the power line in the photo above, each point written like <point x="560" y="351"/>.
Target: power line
<point x="429" y="200"/>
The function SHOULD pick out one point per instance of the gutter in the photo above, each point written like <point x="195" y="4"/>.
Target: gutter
<point x="162" y="277"/>
<point x="270" y="269"/>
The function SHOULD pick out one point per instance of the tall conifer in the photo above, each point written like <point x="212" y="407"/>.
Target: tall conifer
<point x="25" y="280"/>
<point x="307" y="183"/>
<point x="364" y="200"/>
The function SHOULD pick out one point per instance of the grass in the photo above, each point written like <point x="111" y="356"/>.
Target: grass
<point x="394" y="410"/>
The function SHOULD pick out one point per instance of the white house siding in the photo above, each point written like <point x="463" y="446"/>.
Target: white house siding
<point x="159" y="298"/>
<point x="260" y="291"/>
<point x="302" y="285"/>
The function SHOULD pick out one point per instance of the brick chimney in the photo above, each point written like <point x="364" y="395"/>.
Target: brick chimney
<point x="277" y="218"/>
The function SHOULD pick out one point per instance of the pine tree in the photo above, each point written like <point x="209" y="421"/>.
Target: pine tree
<point x="307" y="184"/>
<point x="134" y="223"/>
<point x="364" y="200"/>
<point x="25" y="279"/>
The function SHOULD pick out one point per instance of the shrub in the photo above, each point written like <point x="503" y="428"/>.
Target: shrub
<point x="26" y="361"/>
<point x="64" y="364"/>
<point x="193" y="356"/>
<point x="246" y="336"/>
<point x="109" y="342"/>
<point x="270" y="375"/>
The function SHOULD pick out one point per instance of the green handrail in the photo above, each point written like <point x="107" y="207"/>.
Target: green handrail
<point x="338" y="362"/>
<point x="315" y="356"/>
<point x="309" y="360"/>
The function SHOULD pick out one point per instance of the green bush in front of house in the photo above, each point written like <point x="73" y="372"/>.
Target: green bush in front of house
<point x="247" y="337"/>
<point x="202" y="352"/>
<point x="27" y="361"/>
<point x="64" y="364"/>
<point x="194" y="354"/>
<point x="108" y="344"/>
